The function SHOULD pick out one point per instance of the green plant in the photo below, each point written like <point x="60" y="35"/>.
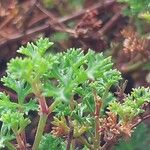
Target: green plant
<point x="135" y="7"/>
<point x="138" y="11"/>
<point x="78" y="85"/>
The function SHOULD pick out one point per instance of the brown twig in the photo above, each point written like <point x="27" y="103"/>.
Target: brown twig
<point x="11" y="13"/>
<point x="28" y="15"/>
<point x="45" y="27"/>
<point x="52" y="18"/>
<point x="54" y="22"/>
<point x="109" y="24"/>
<point x="110" y="144"/>
<point x="99" y="6"/>
<point x="140" y="120"/>
<point x="37" y="20"/>
<point x="20" y="36"/>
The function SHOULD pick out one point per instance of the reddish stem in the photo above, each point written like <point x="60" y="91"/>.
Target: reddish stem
<point x="20" y="142"/>
<point x="98" y="105"/>
<point x="43" y="105"/>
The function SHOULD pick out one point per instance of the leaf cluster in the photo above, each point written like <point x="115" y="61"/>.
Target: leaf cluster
<point x="49" y="142"/>
<point x="132" y="105"/>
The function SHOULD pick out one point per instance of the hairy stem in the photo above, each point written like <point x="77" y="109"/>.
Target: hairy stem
<point x="40" y="130"/>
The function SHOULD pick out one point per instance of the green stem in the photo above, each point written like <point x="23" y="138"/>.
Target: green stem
<point x="106" y="92"/>
<point x="53" y="105"/>
<point x="10" y="146"/>
<point x="89" y="105"/>
<point x="40" y="130"/>
<point x="72" y="103"/>
<point x="97" y="134"/>
<point x="84" y="142"/>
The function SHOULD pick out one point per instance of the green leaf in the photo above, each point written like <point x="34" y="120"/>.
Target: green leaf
<point x="21" y="87"/>
<point x="6" y="104"/>
<point x="50" y="142"/>
<point x="15" y="120"/>
<point x="132" y="105"/>
<point x="37" y="49"/>
<point x="31" y="105"/>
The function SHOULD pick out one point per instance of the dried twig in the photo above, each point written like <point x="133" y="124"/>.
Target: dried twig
<point x="52" y="18"/>
<point x="54" y="22"/>
<point x="99" y="6"/>
<point x="110" y="144"/>
<point x="140" y="120"/>
<point x="45" y="27"/>
<point x="28" y="16"/>
<point x="109" y="24"/>
<point x="20" y="36"/>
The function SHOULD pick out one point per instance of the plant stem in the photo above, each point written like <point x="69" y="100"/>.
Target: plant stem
<point x="40" y="129"/>
<point x="21" y="99"/>
<point x="53" y="105"/>
<point x="23" y="137"/>
<point x="98" y="105"/>
<point x="84" y="142"/>
<point x="106" y="92"/>
<point x="44" y="112"/>
<point x="73" y="144"/>
<point x="20" y="141"/>
<point x="97" y="135"/>
<point x="70" y="137"/>
<point x="10" y="146"/>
